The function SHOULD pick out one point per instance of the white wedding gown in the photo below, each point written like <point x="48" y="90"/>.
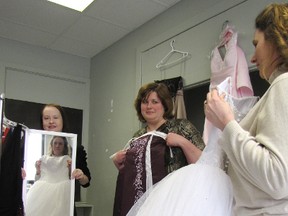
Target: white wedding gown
<point x="50" y="195"/>
<point x="200" y="189"/>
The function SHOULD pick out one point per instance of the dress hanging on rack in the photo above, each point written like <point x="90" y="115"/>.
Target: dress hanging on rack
<point x="175" y="86"/>
<point x="1" y="125"/>
<point x="11" y="174"/>
<point x="228" y="60"/>
<point x="11" y="163"/>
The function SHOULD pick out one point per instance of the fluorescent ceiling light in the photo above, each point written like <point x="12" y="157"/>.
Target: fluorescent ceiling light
<point x="78" y="5"/>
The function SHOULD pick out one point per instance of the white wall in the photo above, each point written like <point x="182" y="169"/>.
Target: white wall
<point x="116" y="77"/>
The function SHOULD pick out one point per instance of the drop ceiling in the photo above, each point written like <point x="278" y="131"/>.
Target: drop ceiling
<point x="45" y="24"/>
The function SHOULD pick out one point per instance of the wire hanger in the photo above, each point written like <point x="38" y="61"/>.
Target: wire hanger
<point x="227" y="32"/>
<point x="163" y="62"/>
<point x="225" y="37"/>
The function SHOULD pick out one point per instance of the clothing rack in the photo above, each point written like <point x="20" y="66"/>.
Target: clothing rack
<point x="163" y="62"/>
<point x="2" y="97"/>
<point x="5" y="122"/>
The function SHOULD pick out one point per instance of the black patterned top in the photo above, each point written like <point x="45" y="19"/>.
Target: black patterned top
<point x="184" y="128"/>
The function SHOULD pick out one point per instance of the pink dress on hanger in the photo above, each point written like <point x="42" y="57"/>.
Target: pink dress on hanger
<point x="228" y="60"/>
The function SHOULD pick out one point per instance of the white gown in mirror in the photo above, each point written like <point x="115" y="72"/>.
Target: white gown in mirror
<point x="50" y="195"/>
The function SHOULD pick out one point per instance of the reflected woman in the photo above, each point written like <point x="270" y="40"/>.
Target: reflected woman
<point x="50" y="194"/>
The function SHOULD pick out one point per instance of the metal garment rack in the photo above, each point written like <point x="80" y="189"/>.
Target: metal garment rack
<point x="2" y="98"/>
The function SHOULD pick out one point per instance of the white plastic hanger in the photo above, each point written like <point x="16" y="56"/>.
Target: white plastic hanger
<point x="163" y="62"/>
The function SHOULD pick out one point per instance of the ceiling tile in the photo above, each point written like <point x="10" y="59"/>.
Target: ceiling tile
<point x="26" y="35"/>
<point x="45" y="24"/>
<point x="94" y="31"/>
<point x="42" y="15"/>
<point x="168" y="3"/>
<point x="76" y="47"/>
<point x="128" y="14"/>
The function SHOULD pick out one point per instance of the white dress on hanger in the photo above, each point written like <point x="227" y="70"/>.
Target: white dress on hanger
<point x="50" y="195"/>
<point x="200" y="189"/>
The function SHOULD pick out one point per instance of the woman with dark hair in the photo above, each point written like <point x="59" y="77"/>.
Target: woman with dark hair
<point x="163" y="145"/>
<point x="53" y="118"/>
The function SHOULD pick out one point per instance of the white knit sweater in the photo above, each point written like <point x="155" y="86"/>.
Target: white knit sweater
<point x="258" y="152"/>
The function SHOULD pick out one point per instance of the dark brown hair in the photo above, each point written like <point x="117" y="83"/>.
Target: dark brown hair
<point x="163" y="94"/>
<point x="63" y="115"/>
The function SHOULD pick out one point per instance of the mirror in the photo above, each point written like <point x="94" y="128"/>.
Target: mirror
<point x="52" y="191"/>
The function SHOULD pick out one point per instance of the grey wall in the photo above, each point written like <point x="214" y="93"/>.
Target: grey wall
<point x="115" y="81"/>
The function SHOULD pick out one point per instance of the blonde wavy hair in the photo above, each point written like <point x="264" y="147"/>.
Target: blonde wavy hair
<point x="66" y="150"/>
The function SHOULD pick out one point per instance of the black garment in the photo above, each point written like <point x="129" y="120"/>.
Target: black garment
<point x="11" y="182"/>
<point x="173" y="84"/>
<point x="81" y="163"/>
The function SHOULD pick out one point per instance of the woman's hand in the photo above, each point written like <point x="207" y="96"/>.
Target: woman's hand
<point x="69" y="164"/>
<point x="192" y="153"/>
<point x="119" y="159"/>
<point x="174" y="140"/>
<point x="23" y="173"/>
<point x="217" y="110"/>
<point x="80" y="176"/>
<point x="38" y="167"/>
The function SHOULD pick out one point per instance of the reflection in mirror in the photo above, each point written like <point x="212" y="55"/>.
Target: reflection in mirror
<point x="49" y="158"/>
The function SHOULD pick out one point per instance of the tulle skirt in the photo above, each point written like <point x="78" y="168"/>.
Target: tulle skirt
<point x="48" y="199"/>
<point x="197" y="190"/>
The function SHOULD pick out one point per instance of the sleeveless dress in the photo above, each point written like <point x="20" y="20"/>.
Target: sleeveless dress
<point x="230" y="63"/>
<point x="50" y="195"/>
<point x="144" y="166"/>
<point x="200" y="189"/>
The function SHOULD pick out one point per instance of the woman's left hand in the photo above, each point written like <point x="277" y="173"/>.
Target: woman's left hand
<point x="23" y="173"/>
<point x="174" y="140"/>
<point x="80" y="176"/>
<point x="217" y="110"/>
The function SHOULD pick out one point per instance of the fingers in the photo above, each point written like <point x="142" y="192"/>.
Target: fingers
<point x="214" y="95"/>
<point x="119" y="159"/>
<point x="69" y="163"/>
<point x="174" y="139"/>
<point x="77" y="174"/>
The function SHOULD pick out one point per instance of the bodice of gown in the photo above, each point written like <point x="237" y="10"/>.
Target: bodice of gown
<point x="213" y="153"/>
<point x="54" y="169"/>
<point x="224" y="67"/>
<point x="232" y="64"/>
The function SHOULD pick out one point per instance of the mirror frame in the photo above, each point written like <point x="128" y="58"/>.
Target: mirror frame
<point x="73" y="144"/>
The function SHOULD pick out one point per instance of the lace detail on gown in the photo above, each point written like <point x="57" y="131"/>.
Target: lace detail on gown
<point x="213" y="155"/>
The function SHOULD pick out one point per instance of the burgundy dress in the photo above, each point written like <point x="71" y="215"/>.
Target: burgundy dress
<point x="144" y="166"/>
